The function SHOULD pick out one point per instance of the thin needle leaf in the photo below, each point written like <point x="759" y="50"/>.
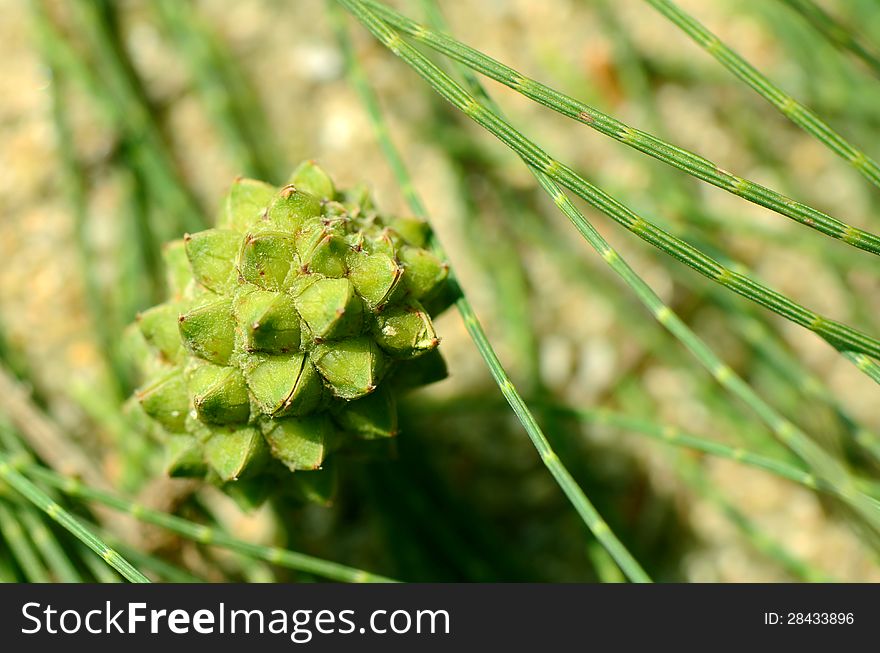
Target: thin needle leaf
<point x="785" y="103"/>
<point x="39" y="498"/>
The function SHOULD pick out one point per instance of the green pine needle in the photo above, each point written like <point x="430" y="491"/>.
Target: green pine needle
<point x="39" y="498"/>
<point x="190" y="530"/>
<point x="785" y="103"/>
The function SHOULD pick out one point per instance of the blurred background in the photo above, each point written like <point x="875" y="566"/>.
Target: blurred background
<point x="123" y="123"/>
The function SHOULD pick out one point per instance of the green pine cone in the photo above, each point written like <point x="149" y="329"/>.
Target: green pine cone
<point x="284" y="333"/>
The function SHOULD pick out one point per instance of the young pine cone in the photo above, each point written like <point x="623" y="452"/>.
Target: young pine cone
<point x="289" y="329"/>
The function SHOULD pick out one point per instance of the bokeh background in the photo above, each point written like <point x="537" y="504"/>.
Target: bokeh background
<point x="91" y="98"/>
